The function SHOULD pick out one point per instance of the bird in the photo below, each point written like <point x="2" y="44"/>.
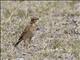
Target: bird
<point x="28" y="32"/>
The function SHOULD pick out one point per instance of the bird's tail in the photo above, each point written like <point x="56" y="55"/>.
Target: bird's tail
<point x="17" y="43"/>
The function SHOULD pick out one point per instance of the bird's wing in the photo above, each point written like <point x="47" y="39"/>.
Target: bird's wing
<point x="23" y="33"/>
<point x="21" y="37"/>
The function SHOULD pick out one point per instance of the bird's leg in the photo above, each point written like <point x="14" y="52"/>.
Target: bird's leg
<point x="25" y="44"/>
<point x="29" y="41"/>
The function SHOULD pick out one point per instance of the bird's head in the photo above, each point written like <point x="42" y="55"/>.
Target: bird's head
<point x="34" y="20"/>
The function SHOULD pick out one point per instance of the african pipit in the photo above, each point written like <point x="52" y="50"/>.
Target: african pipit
<point x="27" y="34"/>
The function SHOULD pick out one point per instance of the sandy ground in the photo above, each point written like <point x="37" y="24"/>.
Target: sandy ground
<point x="57" y="39"/>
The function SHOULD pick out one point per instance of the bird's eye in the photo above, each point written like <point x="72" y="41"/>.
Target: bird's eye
<point x="37" y="29"/>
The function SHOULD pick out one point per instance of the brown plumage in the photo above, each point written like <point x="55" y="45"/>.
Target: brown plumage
<point x="28" y="31"/>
